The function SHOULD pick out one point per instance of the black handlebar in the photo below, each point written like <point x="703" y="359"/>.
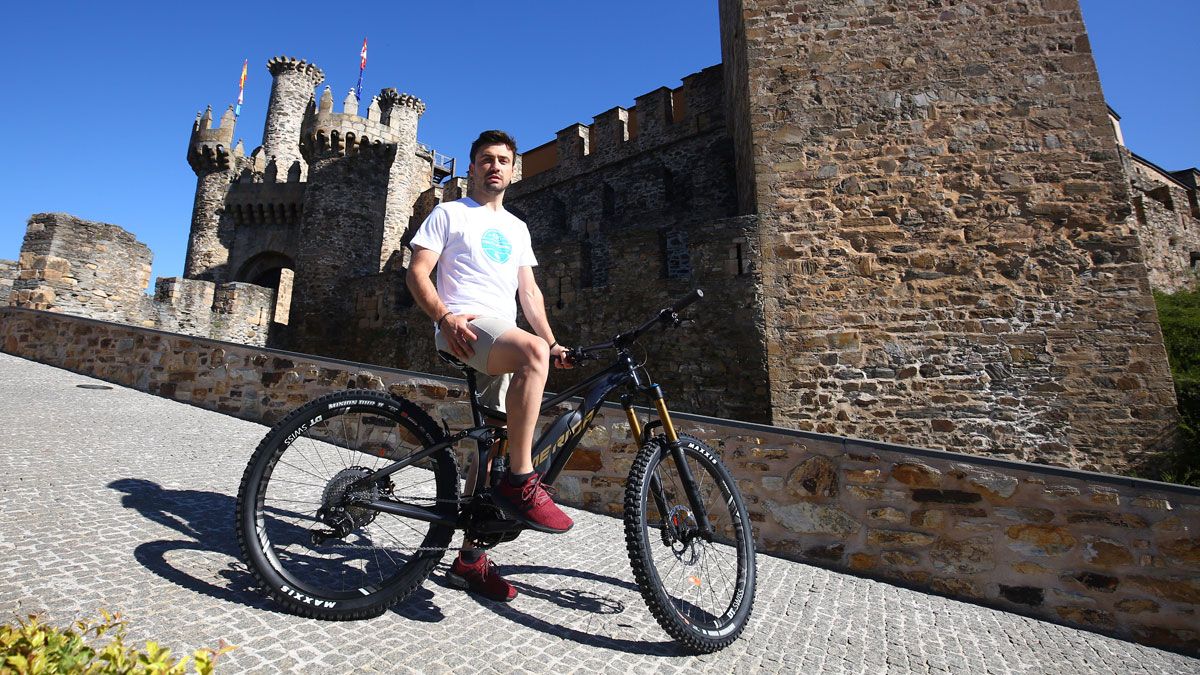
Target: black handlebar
<point x="686" y="300"/>
<point x="665" y="315"/>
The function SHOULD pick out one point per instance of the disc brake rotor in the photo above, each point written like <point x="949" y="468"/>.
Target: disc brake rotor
<point x="679" y="532"/>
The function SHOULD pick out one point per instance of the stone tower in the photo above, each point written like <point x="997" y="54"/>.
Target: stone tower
<point x="292" y="83"/>
<point x="214" y="159"/>
<point x="948" y="252"/>
<point x="363" y="176"/>
<point x="400" y="113"/>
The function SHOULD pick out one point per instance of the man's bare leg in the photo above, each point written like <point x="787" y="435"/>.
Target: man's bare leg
<point x="527" y="357"/>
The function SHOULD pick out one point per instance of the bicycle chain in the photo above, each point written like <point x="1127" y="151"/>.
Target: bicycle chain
<point x="382" y="548"/>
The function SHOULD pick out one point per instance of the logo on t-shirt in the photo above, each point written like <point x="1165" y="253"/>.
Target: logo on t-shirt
<point x="496" y="246"/>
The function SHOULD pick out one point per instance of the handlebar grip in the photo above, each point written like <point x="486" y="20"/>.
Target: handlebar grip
<point x="687" y="300"/>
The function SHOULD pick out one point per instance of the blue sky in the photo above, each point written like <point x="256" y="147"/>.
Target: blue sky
<point x="102" y="95"/>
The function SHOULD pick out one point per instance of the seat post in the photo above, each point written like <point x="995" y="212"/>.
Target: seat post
<point x="469" y="373"/>
<point x="476" y="407"/>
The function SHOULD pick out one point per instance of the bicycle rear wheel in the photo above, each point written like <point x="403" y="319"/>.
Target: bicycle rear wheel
<point x="699" y="585"/>
<point x="310" y="461"/>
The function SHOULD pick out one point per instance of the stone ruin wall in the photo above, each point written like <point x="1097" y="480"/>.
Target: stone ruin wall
<point x="9" y="269"/>
<point x="82" y="267"/>
<point x="950" y="257"/>
<point x="1169" y="224"/>
<point x="100" y="271"/>
<point x="1116" y="555"/>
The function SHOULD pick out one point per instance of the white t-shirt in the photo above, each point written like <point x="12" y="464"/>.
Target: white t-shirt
<point x="479" y="252"/>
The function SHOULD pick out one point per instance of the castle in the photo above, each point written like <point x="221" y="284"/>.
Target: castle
<point x="914" y="223"/>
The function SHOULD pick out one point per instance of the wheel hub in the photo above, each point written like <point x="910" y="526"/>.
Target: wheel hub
<point x="678" y="533"/>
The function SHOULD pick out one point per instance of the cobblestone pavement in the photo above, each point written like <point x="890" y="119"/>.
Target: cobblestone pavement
<point x="117" y="499"/>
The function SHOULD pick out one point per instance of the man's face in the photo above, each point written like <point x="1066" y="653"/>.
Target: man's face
<point x="492" y="168"/>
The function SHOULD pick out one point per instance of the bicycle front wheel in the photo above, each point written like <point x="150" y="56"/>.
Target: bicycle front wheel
<point x="306" y="468"/>
<point x="697" y="581"/>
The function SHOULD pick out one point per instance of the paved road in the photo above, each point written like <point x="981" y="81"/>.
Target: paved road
<point x="117" y="499"/>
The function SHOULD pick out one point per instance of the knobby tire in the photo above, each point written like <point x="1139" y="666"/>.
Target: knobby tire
<point x="700" y="592"/>
<point x="312" y="457"/>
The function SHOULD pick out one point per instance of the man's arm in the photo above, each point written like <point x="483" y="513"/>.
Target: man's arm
<point x="455" y="327"/>
<point x="534" y="306"/>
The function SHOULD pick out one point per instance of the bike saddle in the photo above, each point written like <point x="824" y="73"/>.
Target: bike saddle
<point x="453" y="360"/>
<point x="469" y="373"/>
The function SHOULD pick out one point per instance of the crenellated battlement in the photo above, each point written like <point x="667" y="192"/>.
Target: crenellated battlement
<point x="279" y="65"/>
<point x="390" y="99"/>
<point x="264" y="203"/>
<point x="659" y="117"/>
<point x="209" y="148"/>
<point x="325" y="132"/>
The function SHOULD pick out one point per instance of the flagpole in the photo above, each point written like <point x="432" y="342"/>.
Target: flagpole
<point x="362" y="65"/>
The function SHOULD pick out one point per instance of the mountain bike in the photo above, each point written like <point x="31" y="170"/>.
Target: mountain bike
<point x="348" y="503"/>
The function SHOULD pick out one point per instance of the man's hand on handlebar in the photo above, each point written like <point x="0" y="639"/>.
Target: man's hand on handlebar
<point x="560" y="356"/>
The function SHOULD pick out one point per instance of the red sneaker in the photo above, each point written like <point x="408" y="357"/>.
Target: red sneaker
<point x="531" y="504"/>
<point x="481" y="577"/>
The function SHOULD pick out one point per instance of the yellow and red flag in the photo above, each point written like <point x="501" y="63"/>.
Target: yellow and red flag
<point x="241" y="89"/>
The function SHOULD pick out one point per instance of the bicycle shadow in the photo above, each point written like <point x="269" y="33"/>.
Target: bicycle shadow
<point x="206" y="518"/>
<point x="576" y="598"/>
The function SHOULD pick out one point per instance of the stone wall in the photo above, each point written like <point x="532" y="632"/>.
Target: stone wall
<point x="1111" y="554"/>
<point x="715" y="366"/>
<point x="666" y="161"/>
<point x="386" y="327"/>
<point x="949" y="253"/>
<point x="235" y="312"/>
<point x="1169" y="218"/>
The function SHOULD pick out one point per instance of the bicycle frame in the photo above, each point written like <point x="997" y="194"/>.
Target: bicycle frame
<point x="554" y="448"/>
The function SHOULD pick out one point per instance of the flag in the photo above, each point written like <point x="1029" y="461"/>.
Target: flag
<point x="362" y="65"/>
<point x="241" y="89"/>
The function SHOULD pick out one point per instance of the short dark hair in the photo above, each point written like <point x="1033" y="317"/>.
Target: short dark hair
<point x="493" y="137"/>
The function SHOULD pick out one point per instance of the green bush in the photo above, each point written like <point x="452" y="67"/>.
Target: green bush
<point x="31" y="647"/>
<point x="1179" y="315"/>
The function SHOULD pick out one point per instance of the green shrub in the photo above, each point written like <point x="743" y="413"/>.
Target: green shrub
<point x="31" y="647"/>
<point x="1179" y="315"/>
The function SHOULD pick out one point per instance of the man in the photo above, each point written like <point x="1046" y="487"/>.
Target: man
<point x="484" y="261"/>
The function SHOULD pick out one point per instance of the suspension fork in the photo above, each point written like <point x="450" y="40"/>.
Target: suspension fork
<point x="685" y="473"/>
<point x="635" y="426"/>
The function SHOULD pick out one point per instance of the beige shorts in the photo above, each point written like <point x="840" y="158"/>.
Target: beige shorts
<point x="492" y="388"/>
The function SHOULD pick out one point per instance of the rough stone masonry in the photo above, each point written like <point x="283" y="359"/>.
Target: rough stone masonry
<point x="948" y="250"/>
